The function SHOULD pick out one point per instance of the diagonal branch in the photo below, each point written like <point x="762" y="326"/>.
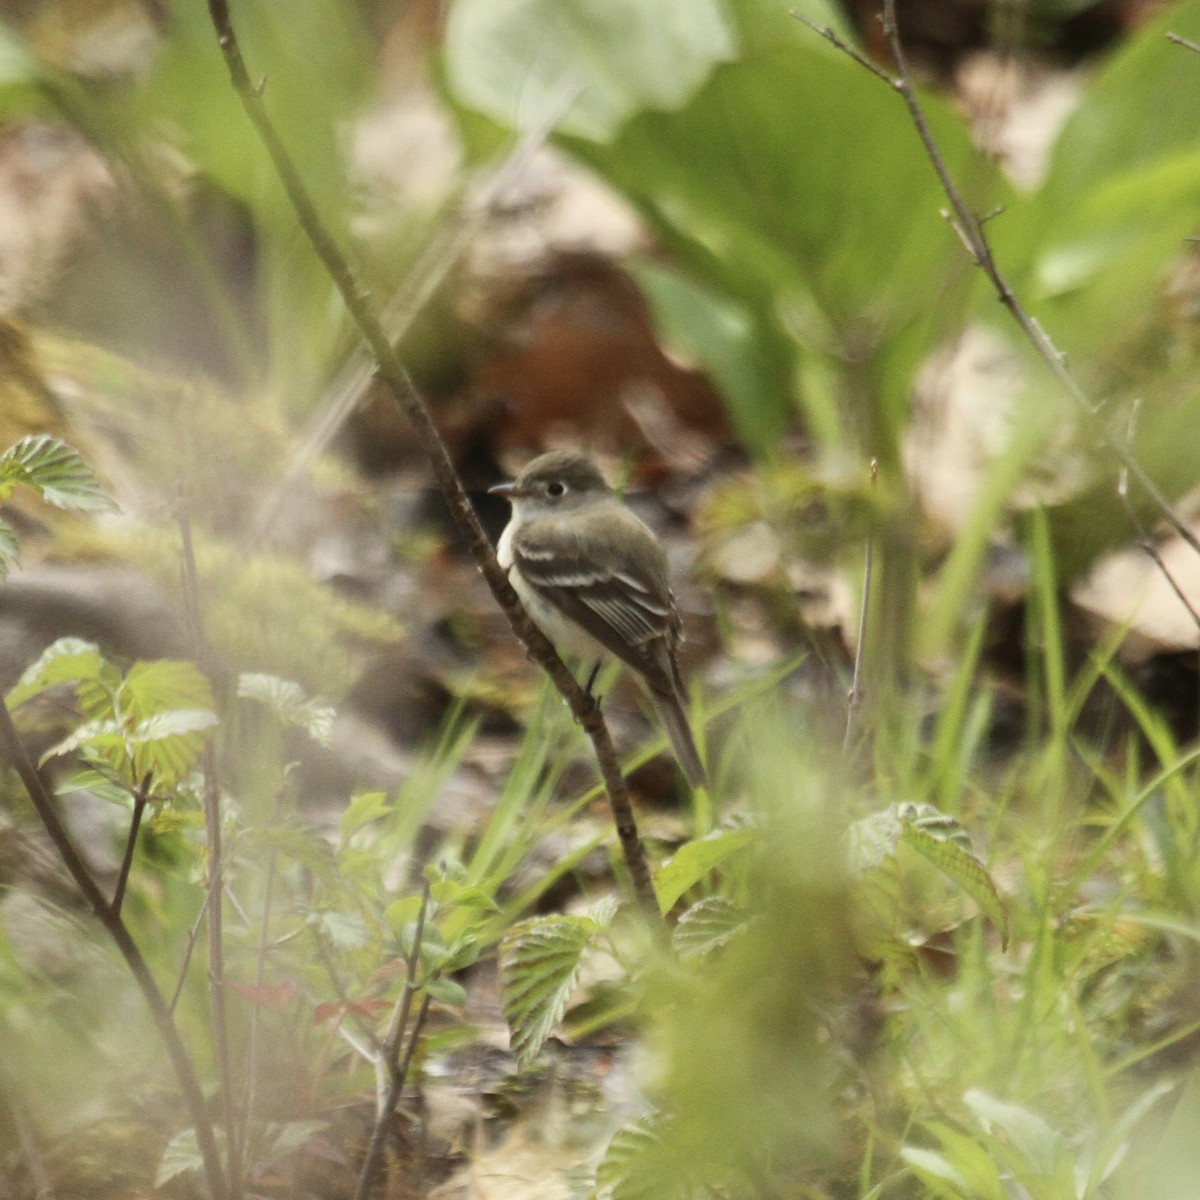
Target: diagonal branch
<point x="970" y="229"/>
<point x="393" y="372"/>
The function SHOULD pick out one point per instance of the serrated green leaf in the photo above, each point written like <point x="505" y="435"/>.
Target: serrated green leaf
<point x="619" y="1172"/>
<point x="104" y="739"/>
<point x="163" y="684"/>
<point x="539" y="965"/>
<point x="602" y="911"/>
<point x="290" y="704"/>
<point x="166" y="746"/>
<point x="707" y="926"/>
<point x="873" y="839"/>
<point x="940" y="839"/>
<point x="695" y="860"/>
<point x="57" y="472"/>
<point x="10" y="550"/>
<point x="67" y="660"/>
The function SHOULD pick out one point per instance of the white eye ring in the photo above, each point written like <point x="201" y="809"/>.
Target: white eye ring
<point x="556" y="489"/>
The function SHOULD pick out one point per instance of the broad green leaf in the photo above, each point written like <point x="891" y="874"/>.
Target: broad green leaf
<point x="707" y="926"/>
<point x="103" y="739"/>
<point x="539" y="965"/>
<point x="696" y="860"/>
<point x="1040" y="1148"/>
<point x="447" y="992"/>
<point x="936" y="1173"/>
<point x="586" y="66"/>
<point x="167" y="745"/>
<point x="56" y="471"/>
<point x="181" y="1156"/>
<point x="723" y="337"/>
<point x="161" y="684"/>
<point x="620" y="1173"/>
<point x="67" y="660"/>
<point x="290" y="704"/>
<point x="944" y="842"/>
<point x="971" y="1160"/>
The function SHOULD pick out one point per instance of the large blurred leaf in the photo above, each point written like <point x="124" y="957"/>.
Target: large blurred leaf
<point x="589" y="65"/>
<point x="792" y="181"/>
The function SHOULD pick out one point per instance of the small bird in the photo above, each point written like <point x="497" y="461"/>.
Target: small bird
<point x="593" y="578"/>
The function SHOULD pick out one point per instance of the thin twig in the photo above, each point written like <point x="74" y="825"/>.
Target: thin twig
<point x="189" y="950"/>
<point x="855" y="699"/>
<point x="13" y="750"/>
<point x="971" y="231"/>
<point x="393" y="372"/>
<point x="372" y="1042"/>
<point x="140" y="800"/>
<point x="426" y="275"/>
<point x="216" y="872"/>
<point x="1186" y="43"/>
<point x="260" y="969"/>
<point x="397" y="1069"/>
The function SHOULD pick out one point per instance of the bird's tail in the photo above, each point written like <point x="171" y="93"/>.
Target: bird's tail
<point x="671" y="712"/>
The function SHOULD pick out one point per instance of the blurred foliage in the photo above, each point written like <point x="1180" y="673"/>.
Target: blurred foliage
<point x="787" y="1049"/>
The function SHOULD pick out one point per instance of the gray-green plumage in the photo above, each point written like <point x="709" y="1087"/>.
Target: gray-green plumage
<point x="593" y="576"/>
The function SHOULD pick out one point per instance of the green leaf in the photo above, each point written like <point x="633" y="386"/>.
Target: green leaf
<point x="619" y="1172"/>
<point x="10" y="550"/>
<point x="936" y="1173"/>
<point x="104" y="739"/>
<point x="723" y="337"/>
<point x="167" y="745"/>
<point x="290" y="704"/>
<point x="940" y="839"/>
<point x="973" y="1162"/>
<point x="56" y="471"/>
<point x="873" y="839"/>
<point x="161" y="684"/>
<point x="586" y="66"/>
<point x="1040" y="1150"/>
<point x="447" y="992"/>
<point x="707" y="926"/>
<point x="180" y="1157"/>
<point x="67" y="660"/>
<point x="362" y="810"/>
<point x="539" y="965"/>
<point x="695" y="860"/>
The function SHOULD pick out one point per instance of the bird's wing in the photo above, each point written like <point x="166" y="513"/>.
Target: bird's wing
<point x="623" y="600"/>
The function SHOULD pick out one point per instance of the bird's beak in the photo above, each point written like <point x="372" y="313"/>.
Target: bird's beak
<point x="509" y="490"/>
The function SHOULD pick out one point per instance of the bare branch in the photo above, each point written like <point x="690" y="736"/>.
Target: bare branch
<point x="140" y="800"/>
<point x="970" y="229"/>
<point x="1186" y="43"/>
<point x="393" y="372"/>
<point x="397" y="1067"/>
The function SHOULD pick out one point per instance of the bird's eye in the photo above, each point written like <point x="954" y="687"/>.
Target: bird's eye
<point x="555" y="489"/>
